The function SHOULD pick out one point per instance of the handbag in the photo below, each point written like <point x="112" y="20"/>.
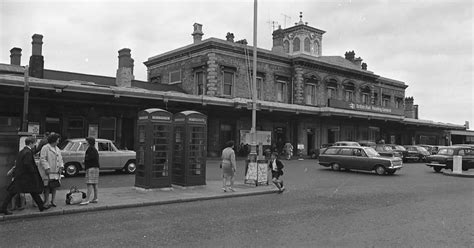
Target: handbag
<point x="54" y="183"/>
<point x="74" y="196"/>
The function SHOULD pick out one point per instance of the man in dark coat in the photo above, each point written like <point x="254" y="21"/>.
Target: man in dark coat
<point x="26" y="178"/>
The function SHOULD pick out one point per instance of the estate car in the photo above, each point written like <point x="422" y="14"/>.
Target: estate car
<point x="359" y="158"/>
<point x="109" y="156"/>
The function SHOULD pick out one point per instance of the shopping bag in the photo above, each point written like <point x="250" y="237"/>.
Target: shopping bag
<point x="74" y="196"/>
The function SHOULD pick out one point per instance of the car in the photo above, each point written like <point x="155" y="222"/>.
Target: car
<point x="367" y="143"/>
<point x="444" y="158"/>
<point x="110" y="158"/>
<point x="416" y="153"/>
<point x="401" y="150"/>
<point x="430" y="148"/>
<point x="359" y="158"/>
<point x="387" y="151"/>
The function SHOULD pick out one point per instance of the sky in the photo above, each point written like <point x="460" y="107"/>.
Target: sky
<point x="428" y="45"/>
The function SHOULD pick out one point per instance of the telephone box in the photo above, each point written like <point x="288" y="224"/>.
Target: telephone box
<point x="189" y="152"/>
<point x="154" y="144"/>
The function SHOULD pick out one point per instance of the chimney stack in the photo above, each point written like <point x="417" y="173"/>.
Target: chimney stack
<point x="36" y="59"/>
<point x="15" y="56"/>
<point x="358" y="62"/>
<point x="125" y="68"/>
<point x="364" y="66"/>
<point x="229" y="37"/>
<point x="350" y="56"/>
<point x="197" y="34"/>
<point x="278" y="40"/>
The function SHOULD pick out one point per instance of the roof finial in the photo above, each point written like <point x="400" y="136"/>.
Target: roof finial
<point x="301" y="19"/>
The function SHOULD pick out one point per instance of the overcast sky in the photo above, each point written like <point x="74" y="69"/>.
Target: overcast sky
<point x="426" y="44"/>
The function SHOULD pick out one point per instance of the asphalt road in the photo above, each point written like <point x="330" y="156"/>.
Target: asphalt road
<point x="321" y="208"/>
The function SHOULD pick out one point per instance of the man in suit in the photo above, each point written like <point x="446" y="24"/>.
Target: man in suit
<point x="27" y="178"/>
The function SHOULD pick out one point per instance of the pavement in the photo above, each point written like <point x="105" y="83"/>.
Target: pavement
<point x="462" y="174"/>
<point x="132" y="197"/>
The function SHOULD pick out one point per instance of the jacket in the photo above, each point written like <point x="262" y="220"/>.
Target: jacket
<point x="27" y="178"/>
<point x="91" y="158"/>
<point x="279" y="166"/>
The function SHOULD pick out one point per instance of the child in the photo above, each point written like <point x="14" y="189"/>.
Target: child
<point x="276" y="166"/>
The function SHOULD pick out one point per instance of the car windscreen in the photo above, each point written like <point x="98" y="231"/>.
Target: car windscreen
<point x="446" y="151"/>
<point x="371" y="152"/>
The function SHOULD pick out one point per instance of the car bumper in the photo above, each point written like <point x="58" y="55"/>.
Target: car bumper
<point x="395" y="167"/>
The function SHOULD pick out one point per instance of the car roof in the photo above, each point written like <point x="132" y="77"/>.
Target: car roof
<point x="338" y="147"/>
<point x="83" y="139"/>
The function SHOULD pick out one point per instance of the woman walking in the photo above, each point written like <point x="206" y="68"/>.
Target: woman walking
<point x="91" y="164"/>
<point x="51" y="167"/>
<point x="228" y="166"/>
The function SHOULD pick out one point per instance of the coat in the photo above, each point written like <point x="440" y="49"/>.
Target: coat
<point x="27" y="178"/>
<point x="279" y="165"/>
<point x="51" y="159"/>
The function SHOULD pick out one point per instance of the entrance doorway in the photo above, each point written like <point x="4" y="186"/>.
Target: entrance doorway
<point x="310" y="140"/>
<point x="226" y="133"/>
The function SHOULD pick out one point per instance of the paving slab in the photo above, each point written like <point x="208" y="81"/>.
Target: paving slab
<point x="132" y="197"/>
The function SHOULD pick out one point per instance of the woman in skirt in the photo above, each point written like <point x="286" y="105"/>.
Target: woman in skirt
<point x="91" y="164"/>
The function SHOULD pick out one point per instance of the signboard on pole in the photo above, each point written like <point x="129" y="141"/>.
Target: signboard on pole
<point x="263" y="137"/>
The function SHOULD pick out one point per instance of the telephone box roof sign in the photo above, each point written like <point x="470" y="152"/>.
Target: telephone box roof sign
<point x="190" y="116"/>
<point x="155" y="115"/>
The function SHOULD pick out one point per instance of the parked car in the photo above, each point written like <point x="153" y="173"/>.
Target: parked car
<point x="444" y="158"/>
<point x="430" y="148"/>
<point x="387" y="151"/>
<point x="359" y="158"/>
<point x="367" y="143"/>
<point x="401" y="149"/>
<point x="109" y="156"/>
<point x="416" y="153"/>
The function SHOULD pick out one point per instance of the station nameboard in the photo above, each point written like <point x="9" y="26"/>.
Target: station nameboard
<point x="364" y="107"/>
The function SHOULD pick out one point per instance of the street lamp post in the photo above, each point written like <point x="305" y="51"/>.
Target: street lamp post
<point x="26" y="96"/>
<point x="253" y="133"/>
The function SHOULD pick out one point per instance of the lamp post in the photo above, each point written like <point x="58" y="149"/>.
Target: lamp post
<point x="26" y="96"/>
<point x="253" y="133"/>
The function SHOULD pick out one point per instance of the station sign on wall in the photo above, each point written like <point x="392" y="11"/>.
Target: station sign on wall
<point x="364" y="107"/>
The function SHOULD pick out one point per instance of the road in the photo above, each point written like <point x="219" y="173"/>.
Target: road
<point x="321" y="208"/>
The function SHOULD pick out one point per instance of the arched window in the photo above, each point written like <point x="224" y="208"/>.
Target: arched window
<point x="316" y="47"/>
<point x="296" y="44"/>
<point x="366" y="95"/>
<point x="349" y="92"/>
<point x="286" y="46"/>
<point x="331" y="88"/>
<point x="307" y="45"/>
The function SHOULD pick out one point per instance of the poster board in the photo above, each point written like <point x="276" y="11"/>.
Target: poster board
<point x="263" y="137"/>
<point x="93" y="130"/>
<point x="257" y="173"/>
<point x="33" y="128"/>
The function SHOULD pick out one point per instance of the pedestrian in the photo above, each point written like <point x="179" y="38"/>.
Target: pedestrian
<point x="276" y="166"/>
<point x="288" y="147"/>
<point x="91" y="165"/>
<point x="228" y="166"/>
<point x="26" y="178"/>
<point x="52" y="166"/>
<point x="41" y="143"/>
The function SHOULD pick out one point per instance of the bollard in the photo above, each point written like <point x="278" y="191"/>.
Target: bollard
<point x="457" y="164"/>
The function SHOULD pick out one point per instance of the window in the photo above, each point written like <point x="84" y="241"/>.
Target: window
<point x="175" y="77"/>
<point x="346" y="152"/>
<point x="104" y="146"/>
<point x="281" y="89"/>
<point x="75" y="128"/>
<point x="310" y="94"/>
<point x="399" y="102"/>
<point x="259" y="87"/>
<point x="366" y="95"/>
<point x="331" y="93"/>
<point x="155" y="79"/>
<point x="349" y="92"/>
<point x="107" y="128"/>
<point x="307" y="45"/>
<point x="332" y="89"/>
<point x="385" y="100"/>
<point x="375" y="101"/>
<point x="200" y="82"/>
<point x="296" y="44"/>
<point x="286" y="46"/>
<point x="228" y="83"/>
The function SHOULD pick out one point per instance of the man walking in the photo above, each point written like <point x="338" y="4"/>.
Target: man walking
<point x="27" y="178"/>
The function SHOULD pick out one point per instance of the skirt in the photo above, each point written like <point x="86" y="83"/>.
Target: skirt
<point x="92" y="176"/>
<point x="227" y="170"/>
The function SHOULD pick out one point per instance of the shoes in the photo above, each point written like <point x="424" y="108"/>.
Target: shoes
<point x="52" y="205"/>
<point x="46" y="206"/>
<point x="231" y="189"/>
<point x="6" y="212"/>
<point x="94" y="201"/>
<point x="84" y="203"/>
<point x="225" y="190"/>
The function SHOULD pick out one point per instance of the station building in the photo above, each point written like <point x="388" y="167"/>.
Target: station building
<point x="304" y="97"/>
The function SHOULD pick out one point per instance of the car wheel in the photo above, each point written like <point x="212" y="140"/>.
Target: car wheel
<point x="130" y="167"/>
<point x="437" y="169"/>
<point x="391" y="172"/>
<point x="336" y="167"/>
<point x="71" y="170"/>
<point x="380" y="170"/>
